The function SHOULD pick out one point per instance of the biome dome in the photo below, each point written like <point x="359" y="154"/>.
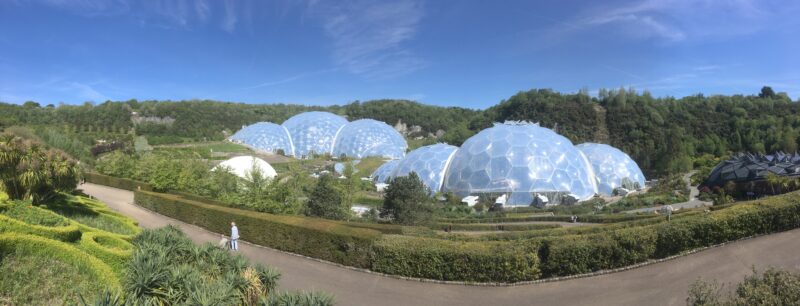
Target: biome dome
<point x="266" y="136"/>
<point x="429" y="163"/>
<point x="242" y="166"/>
<point x="612" y="168"/>
<point x="313" y="132"/>
<point x="367" y="137"/>
<point x="384" y="173"/>
<point x="519" y="159"/>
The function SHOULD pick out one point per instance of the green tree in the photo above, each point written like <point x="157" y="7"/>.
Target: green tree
<point x="326" y="200"/>
<point x="28" y="171"/>
<point x="766" y="92"/>
<point x="406" y="201"/>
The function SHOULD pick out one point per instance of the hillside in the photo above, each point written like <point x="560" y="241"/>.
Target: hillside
<point x="663" y="135"/>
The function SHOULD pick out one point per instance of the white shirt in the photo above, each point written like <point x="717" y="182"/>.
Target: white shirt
<point x="234" y="232"/>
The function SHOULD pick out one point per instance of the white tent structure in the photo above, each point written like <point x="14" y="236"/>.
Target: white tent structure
<point x="242" y="165"/>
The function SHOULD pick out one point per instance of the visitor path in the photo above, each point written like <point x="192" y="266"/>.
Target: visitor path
<point x="693" y="202"/>
<point x="664" y="283"/>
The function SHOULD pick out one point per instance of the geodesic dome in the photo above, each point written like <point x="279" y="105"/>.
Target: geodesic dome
<point x="313" y="132"/>
<point x="612" y="168"/>
<point x="519" y="159"/>
<point x="266" y="136"/>
<point x="429" y="162"/>
<point x="384" y="173"/>
<point x="367" y="137"/>
<point x="241" y="166"/>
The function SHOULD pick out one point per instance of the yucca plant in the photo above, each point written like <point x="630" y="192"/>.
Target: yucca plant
<point x="300" y="298"/>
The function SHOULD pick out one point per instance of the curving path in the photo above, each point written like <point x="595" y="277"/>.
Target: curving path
<point x="693" y="202"/>
<point x="664" y="283"/>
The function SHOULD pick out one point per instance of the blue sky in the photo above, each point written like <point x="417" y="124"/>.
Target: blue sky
<point x="448" y="52"/>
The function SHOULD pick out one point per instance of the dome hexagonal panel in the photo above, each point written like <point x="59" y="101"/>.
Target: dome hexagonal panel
<point x="367" y="137"/>
<point x="384" y="173"/>
<point x="265" y="136"/>
<point x="519" y="159"/>
<point x="429" y="162"/>
<point x="612" y="168"/>
<point x="313" y="132"/>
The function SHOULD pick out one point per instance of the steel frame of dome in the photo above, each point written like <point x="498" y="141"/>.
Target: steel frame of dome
<point x="519" y="159"/>
<point x="384" y="173"/>
<point x="266" y="136"/>
<point x="367" y="137"/>
<point x="429" y="162"/>
<point x="314" y="132"/>
<point x="612" y="168"/>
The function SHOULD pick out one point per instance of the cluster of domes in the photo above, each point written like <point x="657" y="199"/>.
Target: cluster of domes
<point x="518" y="160"/>
<point x="310" y="133"/>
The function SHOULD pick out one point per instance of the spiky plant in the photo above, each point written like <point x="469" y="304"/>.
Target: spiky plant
<point x="300" y="298"/>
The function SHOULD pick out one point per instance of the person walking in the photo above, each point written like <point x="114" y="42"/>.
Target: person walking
<point x="234" y="237"/>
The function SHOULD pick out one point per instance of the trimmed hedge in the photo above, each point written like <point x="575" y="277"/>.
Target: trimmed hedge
<point x="121" y="183"/>
<point x="493" y="227"/>
<point x="317" y="238"/>
<point x="461" y="261"/>
<point x="69" y="233"/>
<point x="112" y="250"/>
<point x="557" y="218"/>
<point x="29" y="244"/>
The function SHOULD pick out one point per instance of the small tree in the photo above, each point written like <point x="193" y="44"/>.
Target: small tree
<point x="27" y="171"/>
<point x="406" y="201"/>
<point x="326" y="200"/>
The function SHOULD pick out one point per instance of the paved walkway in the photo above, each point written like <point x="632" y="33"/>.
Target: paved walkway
<point x="693" y="202"/>
<point x="664" y="283"/>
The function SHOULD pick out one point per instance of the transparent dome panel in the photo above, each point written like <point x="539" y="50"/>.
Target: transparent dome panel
<point x="265" y="136"/>
<point x="384" y="173"/>
<point x="313" y="132"/>
<point x="367" y="137"/>
<point x="429" y="163"/>
<point x="612" y="168"/>
<point x="519" y="159"/>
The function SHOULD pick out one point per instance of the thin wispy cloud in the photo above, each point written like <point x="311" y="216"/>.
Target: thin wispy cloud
<point x="369" y="38"/>
<point x="230" y="18"/>
<point x="290" y="79"/>
<point x="670" y="21"/>
<point x="87" y="92"/>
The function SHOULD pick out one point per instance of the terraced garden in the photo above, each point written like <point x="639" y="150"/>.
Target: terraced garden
<point x="54" y="254"/>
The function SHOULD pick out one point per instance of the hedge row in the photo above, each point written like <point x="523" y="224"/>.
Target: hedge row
<point x="34" y="245"/>
<point x="121" y="183"/>
<point x="313" y="237"/>
<point x="557" y="218"/>
<point x="493" y="227"/>
<point x="581" y="254"/>
<point x="69" y="233"/>
<point x="458" y="261"/>
<point x="110" y="249"/>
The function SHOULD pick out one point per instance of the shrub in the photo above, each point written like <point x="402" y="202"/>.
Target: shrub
<point x="493" y="227"/>
<point x="462" y="261"/>
<point x="317" y="238"/>
<point x="407" y="201"/>
<point x="326" y="200"/>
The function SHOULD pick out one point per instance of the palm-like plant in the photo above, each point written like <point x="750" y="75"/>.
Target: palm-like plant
<point x="28" y="171"/>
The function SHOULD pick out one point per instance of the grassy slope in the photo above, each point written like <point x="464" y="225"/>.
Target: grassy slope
<point x="51" y="273"/>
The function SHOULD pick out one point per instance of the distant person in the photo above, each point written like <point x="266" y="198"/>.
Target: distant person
<point x="234" y="237"/>
<point x="223" y="242"/>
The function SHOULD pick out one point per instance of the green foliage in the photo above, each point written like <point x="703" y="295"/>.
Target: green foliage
<point x="670" y="189"/>
<point x="326" y="200"/>
<point x="167" y="268"/>
<point x="446" y="260"/>
<point x="773" y="287"/>
<point x="406" y="201"/>
<point x="27" y="171"/>
<point x="121" y="183"/>
<point x="33" y="215"/>
<point x="298" y="299"/>
<point x="492" y="227"/>
<point x="317" y="238"/>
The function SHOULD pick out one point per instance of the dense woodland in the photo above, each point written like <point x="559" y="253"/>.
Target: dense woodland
<point x="663" y="135"/>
